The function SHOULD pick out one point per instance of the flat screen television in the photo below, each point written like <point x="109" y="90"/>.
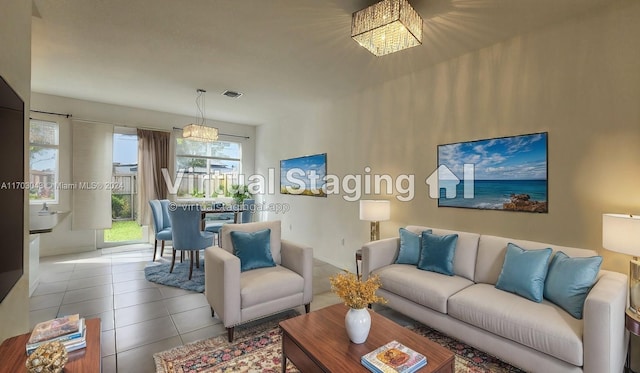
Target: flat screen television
<point x="11" y="188"/>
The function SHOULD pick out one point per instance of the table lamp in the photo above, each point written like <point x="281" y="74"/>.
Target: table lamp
<point x="621" y="233"/>
<point x="375" y="211"/>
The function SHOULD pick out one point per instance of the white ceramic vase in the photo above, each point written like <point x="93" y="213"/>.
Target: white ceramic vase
<point x="358" y="323"/>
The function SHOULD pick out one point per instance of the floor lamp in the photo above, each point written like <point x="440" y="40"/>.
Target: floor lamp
<point x="621" y="233"/>
<point x="375" y="211"/>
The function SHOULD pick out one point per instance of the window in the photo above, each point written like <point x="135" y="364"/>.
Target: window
<point x="208" y="169"/>
<point x="43" y="162"/>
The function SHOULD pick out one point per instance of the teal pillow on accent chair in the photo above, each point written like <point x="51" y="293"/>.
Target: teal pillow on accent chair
<point x="253" y="249"/>
<point x="437" y="252"/>
<point x="410" y="245"/>
<point x="524" y="271"/>
<point x="569" y="281"/>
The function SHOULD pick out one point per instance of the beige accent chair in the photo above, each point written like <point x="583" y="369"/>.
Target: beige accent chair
<point x="238" y="297"/>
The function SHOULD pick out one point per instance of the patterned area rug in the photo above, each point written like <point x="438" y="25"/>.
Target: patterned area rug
<point x="259" y="349"/>
<point x="179" y="277"/>
<point x="468" y="359"/>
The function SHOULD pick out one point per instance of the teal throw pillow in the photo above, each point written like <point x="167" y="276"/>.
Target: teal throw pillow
<point x="410" y="244"/>
<point x="253" y="249"/>
<point x="524" y="272"/>
<point x="569" y="281"/>
<point x="437" y="252"/>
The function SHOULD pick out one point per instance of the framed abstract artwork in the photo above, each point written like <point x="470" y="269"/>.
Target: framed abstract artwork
<point x="304" y="175"/>
<point x="506" y="173"/>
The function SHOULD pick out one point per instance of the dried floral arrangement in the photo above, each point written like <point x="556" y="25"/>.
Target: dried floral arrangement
<point x="48" y="358"/>
<point x="354" y="292"/>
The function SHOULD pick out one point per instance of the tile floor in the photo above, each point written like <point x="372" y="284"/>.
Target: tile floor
<point x="138" y="317"/>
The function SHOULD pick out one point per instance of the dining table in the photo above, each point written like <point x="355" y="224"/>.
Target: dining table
<point x="226" y="209"/>
<point x="214" y="208"/>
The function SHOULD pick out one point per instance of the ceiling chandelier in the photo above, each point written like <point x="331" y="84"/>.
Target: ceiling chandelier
<point x="199" y="131"/>
<point x="386" y="27"/>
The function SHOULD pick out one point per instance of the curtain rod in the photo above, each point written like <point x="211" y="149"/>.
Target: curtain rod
<point x="221" y="134"/>
<point x="100" y="121"/>
<point x="51" y="113"/>
<point x="124" y="125"/>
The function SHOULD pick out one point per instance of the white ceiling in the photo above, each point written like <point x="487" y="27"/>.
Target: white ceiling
<point x="282" y="54"/>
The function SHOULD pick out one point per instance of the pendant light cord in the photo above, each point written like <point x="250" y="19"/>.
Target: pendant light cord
<point x="201" y="105"/>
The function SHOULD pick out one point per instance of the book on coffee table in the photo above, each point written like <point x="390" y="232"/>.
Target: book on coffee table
<point x="393" y="357"/>
<point x="62" y="327"/>
<point x="71" y="342"/>
<point x="68" y="330"/>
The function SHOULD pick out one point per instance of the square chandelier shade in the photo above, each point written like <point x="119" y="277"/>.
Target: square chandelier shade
<point x="199" y="132"/>
<point x="386" y="27"/>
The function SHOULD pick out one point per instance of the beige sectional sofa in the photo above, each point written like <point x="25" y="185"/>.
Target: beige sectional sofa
<point x="536" y="337"/>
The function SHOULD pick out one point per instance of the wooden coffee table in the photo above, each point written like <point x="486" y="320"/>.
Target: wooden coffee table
<point x="318" y="342"/>
<point x="13" y="353"/>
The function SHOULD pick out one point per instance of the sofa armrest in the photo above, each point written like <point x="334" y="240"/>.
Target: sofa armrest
<point x="604" y="330"/>
<point x="299" y="258"/>
<point x="377" y="254"/>
<point x="222" y="284"/>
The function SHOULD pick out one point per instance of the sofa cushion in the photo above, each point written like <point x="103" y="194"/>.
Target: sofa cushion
<point x="569" y="281"/>
<point x="492" y="249"/>
<point x="266" y="284"/>
<point x="253" y="249"/>
<point x="410" y="245"/>
<point x="464" y="260"/>
<point x="437" y="252"/>
<point x="542" y="326"/>
<point x="524" y="272"/>
<point x="428" y="289"/>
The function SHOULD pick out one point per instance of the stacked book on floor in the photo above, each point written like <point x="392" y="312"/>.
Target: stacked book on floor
<point x="69" y="330"/>
<point x="394" y="357"/>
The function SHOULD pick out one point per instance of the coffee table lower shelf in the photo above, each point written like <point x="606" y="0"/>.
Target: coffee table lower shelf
<point x="318" y="342"/>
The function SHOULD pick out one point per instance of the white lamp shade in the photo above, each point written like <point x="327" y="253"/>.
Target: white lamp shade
<point x="375" y="210"/>
<point x="621" y="233"/>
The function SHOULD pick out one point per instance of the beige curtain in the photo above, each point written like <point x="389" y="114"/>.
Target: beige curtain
<point x="92" y="145"/>
<point x="172" y="163"/>
<point x="153" y="156"/>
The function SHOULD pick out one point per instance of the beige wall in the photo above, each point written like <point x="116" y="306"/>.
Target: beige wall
<point x="15" y="68"/>
<point x="578" y="80"/>
<point x="65" y="240"/>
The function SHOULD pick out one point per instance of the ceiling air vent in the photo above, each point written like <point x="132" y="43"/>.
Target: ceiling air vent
<point x="231" y="94"/>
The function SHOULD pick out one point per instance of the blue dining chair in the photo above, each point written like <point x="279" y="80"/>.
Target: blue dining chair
<point x="214" y="221"/>
<point x="248" y="207"/>
<point x="224" y="218"/>
<point x="161" y="224"/>
<point x="185" y="225"/>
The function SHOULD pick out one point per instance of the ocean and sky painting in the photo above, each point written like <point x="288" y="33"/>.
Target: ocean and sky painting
<point x="508" y="173"/>
<point x="301" y="170"/>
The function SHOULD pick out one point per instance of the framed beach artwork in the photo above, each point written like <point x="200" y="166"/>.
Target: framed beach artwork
<point x="506" y="173"/>
<point x="304" y="175"/>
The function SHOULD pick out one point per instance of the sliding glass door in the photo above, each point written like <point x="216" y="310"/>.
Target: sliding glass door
<point x="124" y="196"/>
